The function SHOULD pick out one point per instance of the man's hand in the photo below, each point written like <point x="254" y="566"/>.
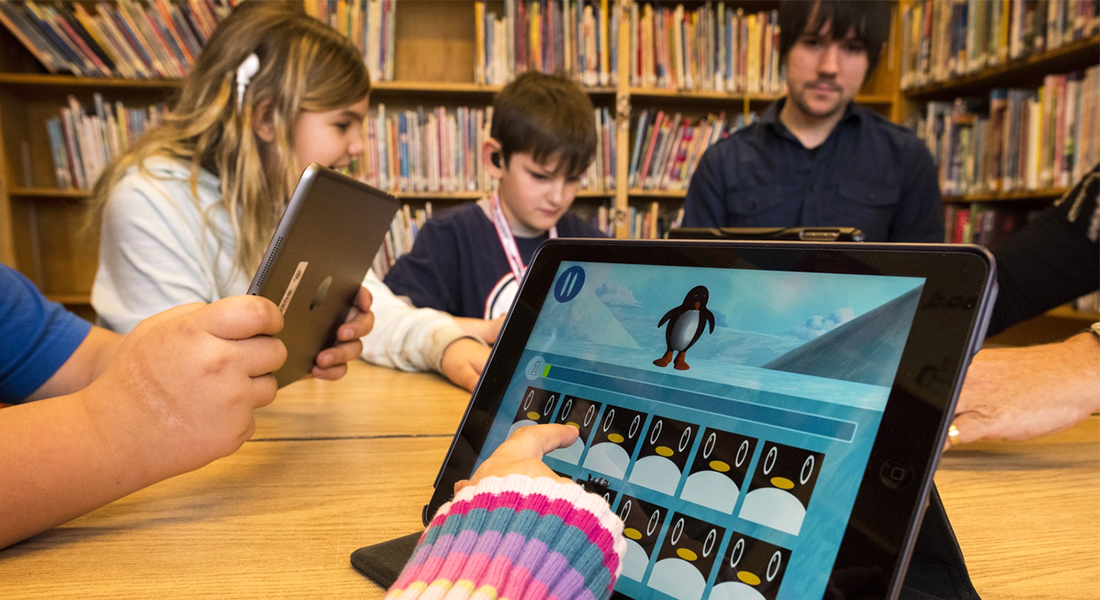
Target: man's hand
<point x="522" y="454"/>
<point x="1020" y="393"/>
<point x="332" y="363"/>
<point x="463" y="361"/>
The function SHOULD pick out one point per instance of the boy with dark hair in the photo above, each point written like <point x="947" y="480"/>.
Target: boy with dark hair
<point x="815" y="158"/>
<point x="468" y="260"/>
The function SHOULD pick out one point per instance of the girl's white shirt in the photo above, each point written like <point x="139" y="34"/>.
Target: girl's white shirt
<point x="155" y="253"/>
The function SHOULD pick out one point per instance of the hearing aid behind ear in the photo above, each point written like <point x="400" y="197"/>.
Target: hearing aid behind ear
<point x="495" y="157"/>
<point x="245" y="72"/>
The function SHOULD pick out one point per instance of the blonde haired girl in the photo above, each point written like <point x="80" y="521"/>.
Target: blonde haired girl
<point x="188" y="211"/>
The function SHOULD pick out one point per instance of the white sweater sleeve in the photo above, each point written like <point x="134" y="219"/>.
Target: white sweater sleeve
<point x="405" y="337"/>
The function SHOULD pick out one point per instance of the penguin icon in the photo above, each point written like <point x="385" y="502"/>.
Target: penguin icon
<point x="685" y="324"/>
<point x="686" y="558"/>
<point x="719" y="470"/>
<point x="536" y="408"/>
<point x="614" y="441"/>
<point x="579" y="413"/>
<point x="750" y="569"/>
<point x="641" y="528"/>
<point x="781" y="487"/>
<point x="663" y="457"/>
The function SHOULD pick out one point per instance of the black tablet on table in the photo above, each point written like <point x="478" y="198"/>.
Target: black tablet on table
<point x="765" y="417"/>
<point x="802" y="234"/>
<point x="314" y="266"/>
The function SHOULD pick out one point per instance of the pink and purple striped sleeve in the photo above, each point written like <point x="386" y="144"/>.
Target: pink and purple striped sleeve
<point x="519" y="538"/>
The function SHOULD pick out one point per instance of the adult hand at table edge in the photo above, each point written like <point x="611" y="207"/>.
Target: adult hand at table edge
<point x="1021" y="393"/>
<point x="332" y="363"/>
<point x="463" y="361"/>
<point x="522" y="454"/>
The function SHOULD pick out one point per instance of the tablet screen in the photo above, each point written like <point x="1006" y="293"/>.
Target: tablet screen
<point x="705" y="417"/>
<point x="743" y="408"/>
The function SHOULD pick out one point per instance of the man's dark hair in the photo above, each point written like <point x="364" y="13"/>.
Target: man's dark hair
<point x="869" y="20"/>
<point x="548" y="117"/>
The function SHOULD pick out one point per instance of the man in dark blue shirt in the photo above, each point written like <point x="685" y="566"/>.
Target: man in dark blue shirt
<point x="815" y="158"/>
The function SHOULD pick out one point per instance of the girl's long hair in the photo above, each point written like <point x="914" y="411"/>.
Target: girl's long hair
<point x="305" y="66"/>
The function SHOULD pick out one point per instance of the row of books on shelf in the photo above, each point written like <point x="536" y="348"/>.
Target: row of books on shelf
<point x="399" y="239"/>
<point x="124" y="38"/>
<point x="84" y="139"/>
<point x="948" y="38"/>
<point x="152" y="39"/>
<point x="1016" y="139"/>
<point x="667" y="147"/>
<point x="439" y="150"/>
<point x="983" y="223"/>
<point x="574" y="36"/>
<point x="369" y="24"/>
<point x="711" y="48"/>
<point x="648" y="223"/>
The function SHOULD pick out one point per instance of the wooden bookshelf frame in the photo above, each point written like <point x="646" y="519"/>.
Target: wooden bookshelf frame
<point x="434" y="62"/>
<point x="1021" y="72"/>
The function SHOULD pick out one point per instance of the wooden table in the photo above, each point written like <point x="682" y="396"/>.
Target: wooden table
<point x="336" y="466"/>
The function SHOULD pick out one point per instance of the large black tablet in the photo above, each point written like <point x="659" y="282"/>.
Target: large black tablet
<point x="765" y="417"/>
<point x="326" y="240"/>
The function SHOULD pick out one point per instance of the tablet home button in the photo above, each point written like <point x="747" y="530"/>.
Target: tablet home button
<point x="896" y="473"/>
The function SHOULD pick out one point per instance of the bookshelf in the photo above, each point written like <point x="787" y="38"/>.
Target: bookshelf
<point x="434" y="63"/>
<point x="1016" y="88"/>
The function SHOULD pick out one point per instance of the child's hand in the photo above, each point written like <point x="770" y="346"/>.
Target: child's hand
<point x="522" y="453"/>
<point x="332" y="362"/>
<point x="463" y="361"/>
<point x="480" y="328"/>
<point x="181" y="388"/>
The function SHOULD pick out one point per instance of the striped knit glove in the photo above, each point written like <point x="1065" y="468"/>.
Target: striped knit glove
<point x="517" y="538"/>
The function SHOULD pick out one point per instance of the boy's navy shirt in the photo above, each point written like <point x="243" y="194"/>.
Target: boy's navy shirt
<point x="457" y="264"/>
<point x="869" y="173"/>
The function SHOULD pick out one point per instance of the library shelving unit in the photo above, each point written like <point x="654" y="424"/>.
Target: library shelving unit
<point x="42" y="227"/>
<point x="879" y="92"/>
<point x="1020" y="68"/>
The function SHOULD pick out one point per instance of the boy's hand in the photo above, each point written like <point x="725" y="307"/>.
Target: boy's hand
<point x="522" y="454"/>
<point x="182" y="386"/>
<point x="481" y="328"/>
<point x="332" y="363"/>
<point x="463" y="361"/>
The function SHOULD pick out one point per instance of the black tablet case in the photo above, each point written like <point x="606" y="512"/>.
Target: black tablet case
<point x="937" y="570"/>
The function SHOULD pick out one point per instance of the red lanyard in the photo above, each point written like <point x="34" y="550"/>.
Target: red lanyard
<point x="507" y="241"/>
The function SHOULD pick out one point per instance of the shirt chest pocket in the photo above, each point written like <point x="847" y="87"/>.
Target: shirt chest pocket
<point x="868" y="193"/>
<point x="773" y="205"/>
